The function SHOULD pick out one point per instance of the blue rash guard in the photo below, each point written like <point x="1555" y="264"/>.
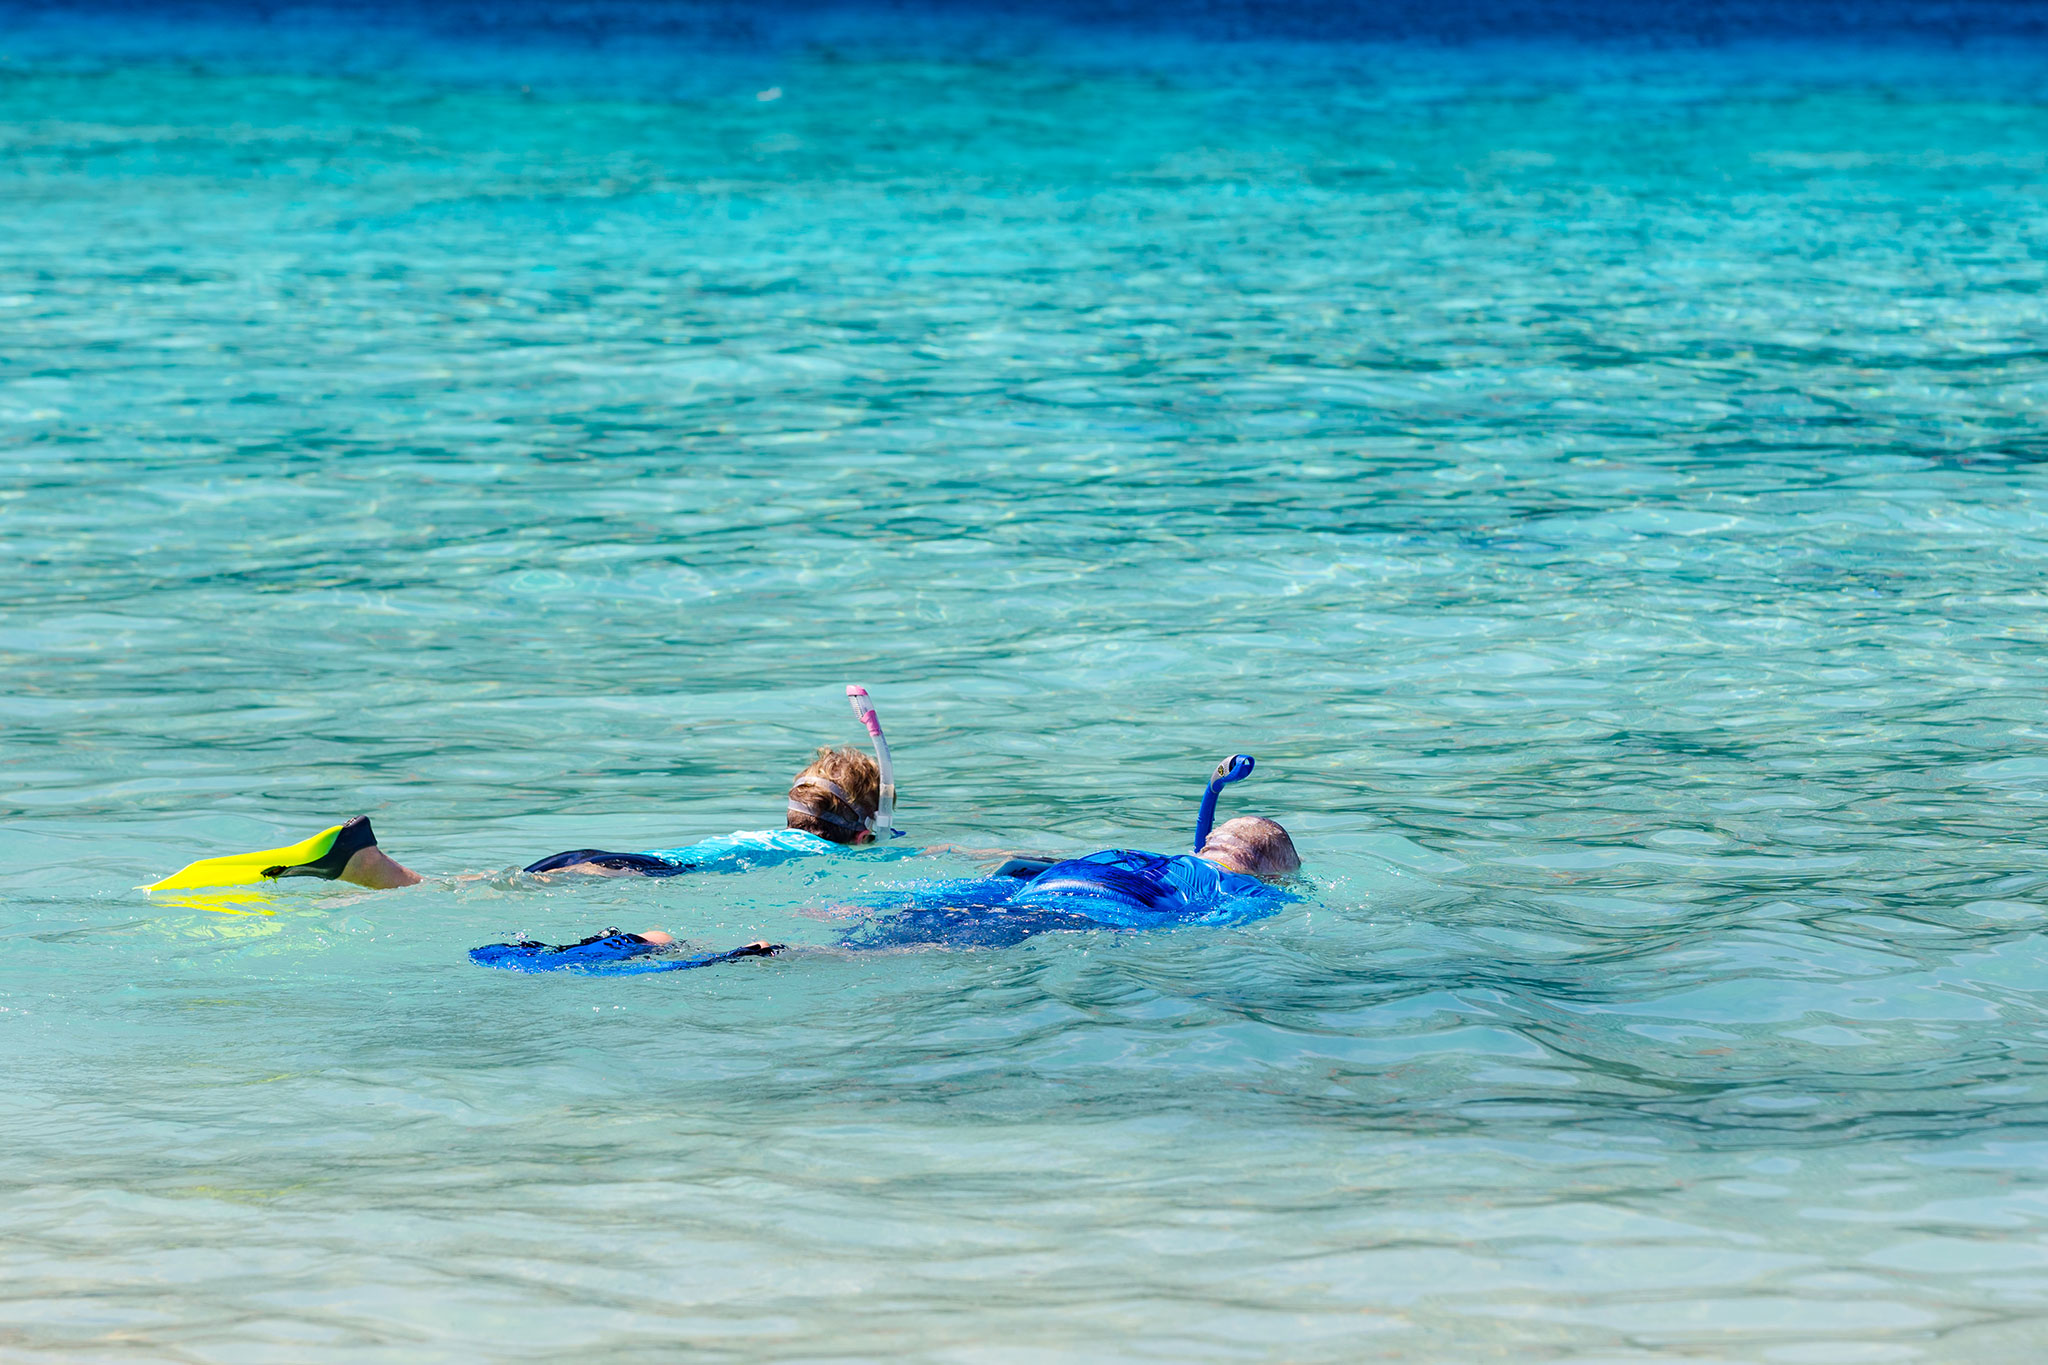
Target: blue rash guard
<point x="1118" y="888"/>
<point x="1133" y="890"/>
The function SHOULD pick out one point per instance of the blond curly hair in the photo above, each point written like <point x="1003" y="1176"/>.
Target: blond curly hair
<point x="836" y="795"/>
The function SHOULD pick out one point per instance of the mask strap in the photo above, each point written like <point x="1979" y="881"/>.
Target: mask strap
<point x="825" y="817"/>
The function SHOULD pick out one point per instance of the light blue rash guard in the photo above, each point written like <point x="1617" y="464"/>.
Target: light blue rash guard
<point x="742" y="851"/>
<point x="748" y="850"/>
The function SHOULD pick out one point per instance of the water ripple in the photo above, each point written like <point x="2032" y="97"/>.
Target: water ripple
<point x="1605" y="492"/>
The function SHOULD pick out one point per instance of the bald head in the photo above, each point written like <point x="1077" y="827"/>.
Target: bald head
<point x="1253" y="845"/>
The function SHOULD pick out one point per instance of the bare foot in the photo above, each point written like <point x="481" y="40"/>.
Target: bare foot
<point x="374" y="868"/>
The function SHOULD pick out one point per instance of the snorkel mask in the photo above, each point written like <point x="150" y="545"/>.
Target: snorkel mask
<point x="1236" y="768"/>
<point x="885" y="805"/>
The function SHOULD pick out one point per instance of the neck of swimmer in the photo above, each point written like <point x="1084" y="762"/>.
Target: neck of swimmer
<point x="1226" y="862"/>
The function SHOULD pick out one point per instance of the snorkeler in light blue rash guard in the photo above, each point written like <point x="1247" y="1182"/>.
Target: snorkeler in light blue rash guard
<point x="841" y="800"/>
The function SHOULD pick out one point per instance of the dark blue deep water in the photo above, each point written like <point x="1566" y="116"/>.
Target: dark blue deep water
<point x="1592" y="455"/>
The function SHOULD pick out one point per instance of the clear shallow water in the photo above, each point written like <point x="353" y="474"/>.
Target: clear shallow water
<point x="1601" y="486"/>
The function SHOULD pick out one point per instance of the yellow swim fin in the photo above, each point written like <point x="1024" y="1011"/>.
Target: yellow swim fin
<point x="324" y="855"/>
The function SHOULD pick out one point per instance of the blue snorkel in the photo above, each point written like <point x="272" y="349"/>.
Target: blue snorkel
<point x="1236" y="768"/>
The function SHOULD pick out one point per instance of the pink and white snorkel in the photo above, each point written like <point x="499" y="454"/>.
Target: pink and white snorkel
<point x="885" y="807"/>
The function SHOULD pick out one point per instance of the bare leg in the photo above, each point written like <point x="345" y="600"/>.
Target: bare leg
<point x="663" y="938"/>
<point x="373" y="868"/>
<point x="595" y="870"/>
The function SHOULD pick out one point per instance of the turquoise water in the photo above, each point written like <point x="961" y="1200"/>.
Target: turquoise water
<point x="1602" y="486"/>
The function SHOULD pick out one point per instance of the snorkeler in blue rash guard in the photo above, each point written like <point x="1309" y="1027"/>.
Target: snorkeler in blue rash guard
<point x="1229" y="881"/>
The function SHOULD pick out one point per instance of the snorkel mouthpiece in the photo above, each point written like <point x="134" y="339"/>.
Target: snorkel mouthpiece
<point x="1236" y="768"/>
<point x="885" y="807"/>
